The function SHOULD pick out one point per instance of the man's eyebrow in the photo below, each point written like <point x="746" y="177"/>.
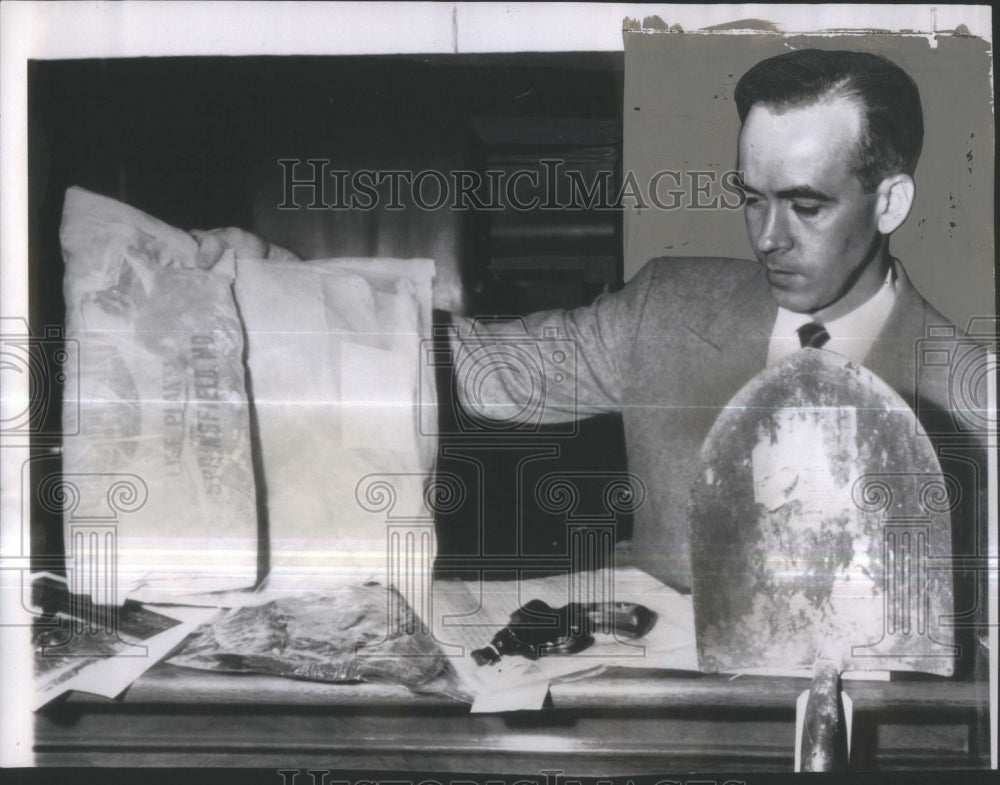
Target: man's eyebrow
<point x="804" y="192"/>
<point x="796" y="192"/>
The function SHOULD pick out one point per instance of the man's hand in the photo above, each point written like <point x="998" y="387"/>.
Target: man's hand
<point x="212" y="243"/>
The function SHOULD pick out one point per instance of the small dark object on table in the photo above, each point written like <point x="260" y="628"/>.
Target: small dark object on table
<point x="536" y="629"/>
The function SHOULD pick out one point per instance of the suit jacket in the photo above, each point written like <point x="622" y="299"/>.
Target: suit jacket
<point x="669" y="351"/>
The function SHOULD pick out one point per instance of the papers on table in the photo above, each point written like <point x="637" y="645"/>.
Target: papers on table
<point x="468" y="613"/>
<point x="101" y="650"/>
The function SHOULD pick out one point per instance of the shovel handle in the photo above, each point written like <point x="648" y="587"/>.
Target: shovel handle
<point x="824" y="737"/>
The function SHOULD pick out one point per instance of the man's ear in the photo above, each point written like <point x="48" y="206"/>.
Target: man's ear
<point x="894" y="198"/>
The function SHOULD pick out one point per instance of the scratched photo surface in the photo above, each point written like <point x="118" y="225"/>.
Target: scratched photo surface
<point x="465" y="468"/>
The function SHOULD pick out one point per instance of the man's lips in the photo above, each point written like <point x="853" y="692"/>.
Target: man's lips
<point x="780" y="271"/>
<point x="783" y="279"/>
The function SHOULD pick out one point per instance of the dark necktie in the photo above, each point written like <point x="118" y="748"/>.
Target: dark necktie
<point x="813" y="334"/>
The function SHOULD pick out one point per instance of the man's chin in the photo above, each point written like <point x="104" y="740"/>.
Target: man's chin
<point x="790" y="300"/>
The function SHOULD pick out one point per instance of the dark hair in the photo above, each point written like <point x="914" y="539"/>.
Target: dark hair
<point x="893" y="131"/>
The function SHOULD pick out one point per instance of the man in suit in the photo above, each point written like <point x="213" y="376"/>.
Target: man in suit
<point x="828" y="146"/>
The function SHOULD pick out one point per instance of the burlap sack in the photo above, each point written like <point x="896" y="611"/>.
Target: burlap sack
<point x="158" y="483"/>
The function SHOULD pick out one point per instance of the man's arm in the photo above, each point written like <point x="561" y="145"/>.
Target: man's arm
<point x="554" y="366"/>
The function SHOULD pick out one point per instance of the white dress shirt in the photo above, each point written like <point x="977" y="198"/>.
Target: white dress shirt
<point x="851" y="335"/>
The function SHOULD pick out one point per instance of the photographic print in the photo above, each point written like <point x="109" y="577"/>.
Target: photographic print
<point x="459" y="392"/>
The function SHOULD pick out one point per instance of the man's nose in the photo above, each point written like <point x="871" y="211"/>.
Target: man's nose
<point x="773" y="234"/>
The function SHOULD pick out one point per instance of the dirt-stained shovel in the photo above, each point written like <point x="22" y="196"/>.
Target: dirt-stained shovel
<point x="821" y="537"/>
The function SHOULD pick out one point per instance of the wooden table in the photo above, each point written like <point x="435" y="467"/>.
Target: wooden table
<point x="621" y="722"/>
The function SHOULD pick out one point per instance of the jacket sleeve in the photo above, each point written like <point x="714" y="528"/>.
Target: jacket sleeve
<point x="552" y="366"/>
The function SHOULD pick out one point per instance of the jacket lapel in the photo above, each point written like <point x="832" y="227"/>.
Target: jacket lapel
<point x="893" y="356"/>
<point x="740" y="329"/>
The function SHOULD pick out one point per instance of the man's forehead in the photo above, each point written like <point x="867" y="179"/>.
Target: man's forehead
<point x="818" y="136"/>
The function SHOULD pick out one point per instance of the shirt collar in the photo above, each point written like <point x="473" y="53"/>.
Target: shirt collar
<point x="851" y="335"/>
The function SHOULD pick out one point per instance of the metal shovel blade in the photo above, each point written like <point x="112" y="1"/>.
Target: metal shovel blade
<point x="821" y="528"/>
